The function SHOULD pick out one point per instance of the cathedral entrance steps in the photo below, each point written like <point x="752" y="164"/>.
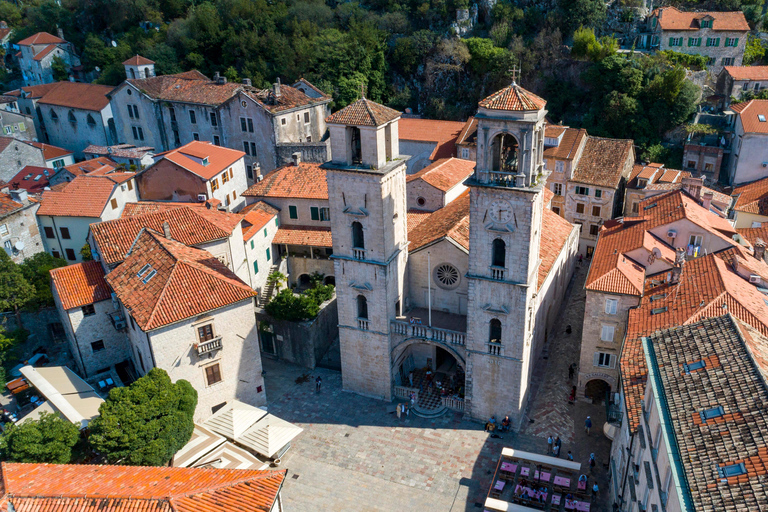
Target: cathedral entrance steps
<point x="429" y="413"/>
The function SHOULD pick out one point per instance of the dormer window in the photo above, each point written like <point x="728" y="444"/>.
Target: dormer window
<point x="205" y="161"/>
<point x="641" y="183"/>
<point x="54" y="115"/>
<point x="706" y="23"/>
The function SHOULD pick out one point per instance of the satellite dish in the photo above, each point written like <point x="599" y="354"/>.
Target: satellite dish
<point x="114" y="44"/>
<point x="656" y="252"/>
<point x="19" y="245"/>
<point x="96" y="68"/>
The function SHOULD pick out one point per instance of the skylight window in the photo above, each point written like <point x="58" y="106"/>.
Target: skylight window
<point x="658" y="297"/>
<point x="709" y="414"/>
<point x="692" y="367"/>
<point x="37" y="178"/>
<point x="732" y="470"/>
<point x="205" y="161"/>
<point x="149" y="276"/>
<point x="761" y="118"/>
<point x="653" y="205"/>
<point x="144" y="270"/>
<point x="659" y="310"/>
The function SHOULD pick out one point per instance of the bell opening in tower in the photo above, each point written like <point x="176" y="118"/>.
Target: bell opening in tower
<point x="356" y="145"/>
<point x="505" y="154"/>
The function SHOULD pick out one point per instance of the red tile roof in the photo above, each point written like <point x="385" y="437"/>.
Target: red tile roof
<point x="88" y="166"/>
<point x="569" y="144"/>
<point x="189" y="156"/>
<point x="260" y="205"/>
<point x="85" y="196"/>
<point x="80" y="284"/>
<point x="514" y="98"/>
<point x="289" y="97"/>
<point x="50" y="152"/>
<point x="188" y="225"/>
<point x="78" y="95"/>
<point x="748" y="114"/>
<point x="34" y="91"/>
<point x="304" y="235"/>
<point x="603" y="161"/>
<point x="8" y="205"/>
<point x="137" y="60"/>
<point x="451" y="221"/>
<point x="752" y="234"/>
<point x="307" y="181"/>
<point x="86" y="488"/>
<point x="555" y="231"/>
<point x="31" y="178"/>
<point x="416" y="217"/>
<point x="752" y="197"/>
<point x="444" y="174"/>
<point x="468" y="134"/>
<point x="442" y="133"/>
<point x="671" y="18"/>
<point x="187" y="283"/>
<point x="747" y="72"/>
<point x="40" y="38"/>
<point x="45" y="51"/>
<point x="363" y="112"/>
<point x="254" y="220"/>
<point x="189" y="87"/>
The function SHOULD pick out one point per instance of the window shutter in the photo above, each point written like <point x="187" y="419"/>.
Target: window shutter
<point x="314" y="212"/>
<point x="613" y="361"/>
<point x="596" y="359"/>
<point x="292" y="212"/>
<point x="255" y="267"/>
<point x="735" y="42"/>
<point x="690" y="41"/>
<point x="671" y="41"/>
<point x="717" y="41"/>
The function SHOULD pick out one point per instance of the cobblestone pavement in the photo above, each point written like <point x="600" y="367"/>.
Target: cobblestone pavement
<point x="354" y="454"/>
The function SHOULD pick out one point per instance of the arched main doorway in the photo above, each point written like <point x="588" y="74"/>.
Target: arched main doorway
<point x="597" y="390"/>
<point x="435" y="374"/>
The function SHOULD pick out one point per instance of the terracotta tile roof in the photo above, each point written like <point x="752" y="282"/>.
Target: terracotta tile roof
<point x="86" y="488"/>
<point x="733" y="383"/>
<point x="254" y="220"/>
<point x="8" y="205"/>
<point x="40" y="38"/>
<point x="190" y="155"/>
<point x="363" y="112"/>
<point x="189" y="87"/>
<point x="451" y="221"/>
<point x="289" y="97"/>
<point x="747" y="72"/>
<point x="119" y="150"/>
<point x="5" y="32"/>
<point x="188" y="282"/>
<point x="34" y="91"/>
<point x="752" y="197"/>
<point x="260" y="205"/>
<point x="546" y="196"/>
<point x="31" y="178"/>
<point x="468" y="134"/>
<point x="188" y="225"/>
<point x="304" y="235"/>
<point x="442" y="133"/>
<point x="85" y="196"/>
<point x="50" y="152"/>
<point x="752" y="234"/>
<point x="137" y="60"/>
<point x="416" y="217"/>
<point x="45" y="51"/>
<point x="307" y="181"/>
<point x="569" y="144"/>
<point x="748" y="114"/>
<point x="88" y="166"/>
<point x="671" y="18"/>
<point x="555" y="231"/>
<point x="78" y="95"/>
<point x="7" y="141"/>
<point x="444" y="174"/>
<point x="513" y="97"/>
<point x="602" y="161"/>
<point x="80" y="284"/>
<point x="306" y="82"/>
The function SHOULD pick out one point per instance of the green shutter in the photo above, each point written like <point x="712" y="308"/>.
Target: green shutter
<point x="265" y="232"/>
<point x="690" y="41"/>
<point x="314" y="213"/>
<point x="268" y="254"/>
<point x="277" y="221"/>
<point x="671" y="41"/>
<point x="717" y="41"/>
<point x="292" y="212"/>
<point x="255" y="267"/>
<point x="251" y="244"/>
<point x="735" y="42"/>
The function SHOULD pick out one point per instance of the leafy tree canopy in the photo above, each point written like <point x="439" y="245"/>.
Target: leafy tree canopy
<point x="15" y="291"/>
<point x="49" y="439"/>
<point x="37" y="271"/>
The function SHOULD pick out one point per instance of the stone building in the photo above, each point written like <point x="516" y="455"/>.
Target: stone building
<point x="438" y="184"/>
<point x="466" y="142"/>
<point x="749" y="157"/>
<point x="19" y="126"/>
<point x="19" y="232"/>
<point x="703" y="156"/>
<point x="719" y="36"/>
<point x="37" y="56"/>
<point x="427" y="140"/>
<point x="15" y="155"/>
<point x="125" y="154"/>
<point x="139" y="67"/>
<point x="736" y="81"/>
<point x="55" y="157"/>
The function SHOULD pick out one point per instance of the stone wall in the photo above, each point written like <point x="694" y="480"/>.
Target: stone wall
<point x="317" y="152"/>
<point x="16" y="156"/>
<point x="22" y="227"/>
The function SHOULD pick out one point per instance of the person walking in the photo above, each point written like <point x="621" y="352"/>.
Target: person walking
<point x="588" y="424"/>
<point x="558" y="442"/>
<point x="595" y="491"/>
<point x="406" y="410"/>
<point x="570" y="372"/>
<point x="556" y="451"/>
<point x="549" y="444"/>
<point x="592" y="462"/>
<point x="399" y="410"/>
<point x="570" y="456"/>
<point x="413" y="399"/>
<point x="318" y="384"/>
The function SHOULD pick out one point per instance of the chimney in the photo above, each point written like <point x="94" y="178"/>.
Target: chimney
<point x="706" y="200"/>
<point x="167" y="230"/>
<point x="296" y="158"/>
<point x="216" y="76"/>
<point x="677" y="266"/>
<point x="693" y="186"/>
<point x="760" y="249"/>
<point x="276" y="88"/>
<point x="60" y="32"/>
<point x="247" y="81"/>
<point x="19" y="195"/>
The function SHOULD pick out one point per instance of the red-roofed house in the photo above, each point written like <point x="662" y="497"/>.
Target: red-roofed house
<point x="749" y="160"/>
<point x="19" y="231"/>
<point x="33" y="179"/>
<point x="427" y="140"/>
<point x="15" y="155"/>
<point x="750" y="205"/>
<point x="260" y="225"/>
<point x="55" y="156"/>
<point x="736" y="81"/>
<point x="438" y="184"/>
<point x="37" y="55"/>
<point x="197" y="171"/>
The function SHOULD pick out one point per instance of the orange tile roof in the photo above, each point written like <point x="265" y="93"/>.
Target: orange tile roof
<point x="40" y="38"/>
<point x="137" y="60"/>
<point x="189" y="87"/>
<point x="514" y="98"/>
<point x="748" y="114"/>
<point x="671" y="18"/>
<point x="752" y="234"/>
<point x="142" y="207"/>
<point x="88" y="166"/>
<point x="416" y="217"/>
<point x="87" y="488"/>
<point x="45" y="51"/>
<point x="188" y="282"/>
<point x="78" y="95"/>
<point x="363" y="112"/>
<point x="752" y="197"/>
<point x="80" y="284"/>
<point x="85" y="196"/>
<point x="188" y="225"/>
<point x="255" y="219"/>
<point x="304" y="235"/>
<point x="50" y="152"/>
<point x="468" y="134"/>
<point x="569" y="144"/>
<point x="34" y="91"/>
<point x="8" y="205"/>
<point x="451" y="221"/>
<point x="307" y="181"/>
<point x="289" y="97"/>
<point x="442" y="133"/>
<point x="747" y="72"/>
<point x="547" y="195"/>
<point x="602" y="161"/>
<point x="260" y="205"/>
<point x="187" y="156"/>
<point x="444" y="174"/>
<point x="555" y="231"/>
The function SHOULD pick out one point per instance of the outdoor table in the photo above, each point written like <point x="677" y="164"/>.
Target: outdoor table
<point x="543" y="477"/>
<point x="508" y="467"/>
<point x="582" y="485"/>
<point x="525" y="471"/>
<point x="498" y="488"/>
<point x="562" y="482"/>
<point x="556" y="499"/>
<point x="581" y="506"/>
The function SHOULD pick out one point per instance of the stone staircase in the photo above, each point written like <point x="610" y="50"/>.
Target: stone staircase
<point x="269" y="290"/>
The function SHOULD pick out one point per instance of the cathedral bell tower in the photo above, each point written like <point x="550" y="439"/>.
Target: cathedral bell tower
<point x="506" y="208"/>
<point x="366" y="189"/>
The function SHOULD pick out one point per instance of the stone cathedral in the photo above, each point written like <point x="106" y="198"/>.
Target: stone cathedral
<point x="455" y="305"/>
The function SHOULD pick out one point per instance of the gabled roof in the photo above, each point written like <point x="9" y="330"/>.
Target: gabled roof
<point x="187" y="282"/>
<point x="749" y="114"/>
<point x="318" y="91"/>
<point x="31" y="178"/>
<point x="569" y="143"/>
<point x="602" y="161"/>
<point x="254" y="220"/>
<point x="192" y="156"/>
<point x="468" y="134"/>
<point x="655" y="173"/>
<point x="8" y="205"/>
<point x="753" y="234"/>
<point x="188" y="225"/>
<point x="513" y="98"/>
<point x="307" y="181"/>
<point x="34" y="91"/>
<point x="137" y="60"/>
<point x="747" y="72"/>
<point x="189" y="87"/>
<point x="671" y="18"/>
<point x="442" y="133"/>
<point x="210" y="206"/>
<point x="50" y="152"/>
<point x="752" y="197"/>
<point x="80" y="284"/>
<point x="40" y="38"/>
<point x="85" y="488"/>
<point x="88" y="166"/>
<point x="416" y="217"/>
<point x="289" y="98"/>
<point x="451" y="221"/>
<point x="445" y="173"/>
<point x="77" y="95"/>
<point x="85" y="196"/>
<point x="45" y="51"/>
<point x="310" y="236"/>
<point x="363" y="112"/>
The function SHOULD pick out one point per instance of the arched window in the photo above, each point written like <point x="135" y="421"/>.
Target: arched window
<point x="71" y="117"/>
<point x="91" y="121"/>
<point x="133" y="73"/>
<point x="356" y="145"/>
<point x="499" y="254"/>
<point x="494" y="331"/>
<point x="362" y="307"/>
<point x="358" y="240"/>
<point x="54" y="115"/>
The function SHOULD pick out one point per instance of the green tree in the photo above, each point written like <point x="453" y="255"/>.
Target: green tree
<point x="582" y="13"/>
<point x="49" y="439"/>
<point x="231" y="74"/>
<point x="37" y="271"/>
<point x="59" y="69"/>
<point x="85" y="252"/>
<point x="288" y="306"/>
<point x="754" y="51"/>
<point x="15" y="291"/>
<point x="145" y="423"/>
<point x="583" y="39"/>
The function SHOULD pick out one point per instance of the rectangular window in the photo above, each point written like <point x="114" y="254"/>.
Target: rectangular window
<point x="582" y="191"/>
<point x="214" y="184"/>
<point x="205" y="332"/>
<point x="556" y="209"/>
<point x="611" y="306"/>
<point x="64" y="233"/>
<point x="268" y="255"/>
<point x="595" y="211"/>
<point x="214" y="120"/>
<point x="113" y="203"/>
<point x="250" y="125"/>
<point x="282" y="121"/>
<point x="88" y="310"/>
<point x="607" y="333"/>
<point x="579" y="207"/>
<point x="713" y="41"/>
<point x="224" y="177"/>
<point x="246" y="148"/>
<point x="325" y="214"/>
<point x="557" y="188"/>
<point x="255" y="267"/>
<point x="598" y="193"/>
<point x="172" y="112"/>
<point x="176" y="139"/>
<point x="141" y="133"/>
<point x="252" y="244"/>
<point x="130" y="111"/>
<point x="4" y="230"/>
<point x="559" y="166"/>
<point x="97" y="345"/>
<point x="253" y="149"/>
<point x="242" y="125"/>
<point x="130" y="184"/>
<point x="70" y="254"/>
<point x="705" y="23"/>
<point x="306" y="117"/>
<point x="727" y="61"/>
<point x="265" y="233"/>
<point x="135" y="133"/>
<point x="49" y="232"/>
<point x="213" y="374"/>
<point x="196" y="136"/>
<point x="249" y="171"/>
<point x="55" y="253"/>
<point x="314" y="213"/>
<point x="234" y="195"/>
<point x="135" y="111"/>
<point x="594" y="229"/>
<point x="635" y="207"/>
<point x="604" y="360"/>
<point x="695" y="240"/>
<point x="293" y="212"/>
<point x="231" y="174"/>
<point x="216" y="140"/>
<point x="192" y="117"/>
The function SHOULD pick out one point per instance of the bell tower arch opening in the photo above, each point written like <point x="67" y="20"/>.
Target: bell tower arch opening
<point x="505" y="154"/>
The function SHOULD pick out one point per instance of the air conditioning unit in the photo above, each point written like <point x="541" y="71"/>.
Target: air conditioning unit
<point x="672" y="233"/>
<point x="120" y="324"/>
<point x="765" y="164"/>
<point x="754" y="278"/>
<point x="115" y="302"/>
<point x="123" y="187"/>
<point x="202" y="197"/>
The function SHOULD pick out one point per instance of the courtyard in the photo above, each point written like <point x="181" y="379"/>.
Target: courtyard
<point x="355" y="454"/>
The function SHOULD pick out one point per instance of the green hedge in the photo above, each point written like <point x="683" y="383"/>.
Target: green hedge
<point x="696" y="62"/>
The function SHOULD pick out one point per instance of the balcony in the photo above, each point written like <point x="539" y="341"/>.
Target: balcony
<point x="446" y="328"/>
<point x="358" y="254"/>
<point x="494" y="349"/>
<point x="206" y="347"/>
<point x="363" y="324"/>
<point x="497" y="273"/>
